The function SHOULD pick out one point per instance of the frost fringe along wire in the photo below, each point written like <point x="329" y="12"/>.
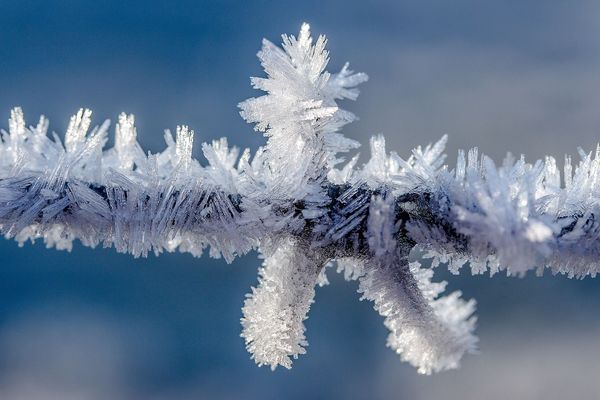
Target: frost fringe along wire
<point x="303" y="213"/>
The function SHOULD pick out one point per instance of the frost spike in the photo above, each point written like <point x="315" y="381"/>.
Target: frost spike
<point x="78" y="127"/>
<point x="125" y="141"/>
<point x="185" y="140"/>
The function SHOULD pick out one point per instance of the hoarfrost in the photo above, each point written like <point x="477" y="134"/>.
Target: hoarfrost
<point x="297" y="203"/>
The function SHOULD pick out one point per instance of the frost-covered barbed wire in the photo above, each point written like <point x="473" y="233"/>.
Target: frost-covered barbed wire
<point x="293" y="202"/>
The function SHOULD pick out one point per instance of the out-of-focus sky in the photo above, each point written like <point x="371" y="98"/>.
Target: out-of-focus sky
<point x="519" y="76"/>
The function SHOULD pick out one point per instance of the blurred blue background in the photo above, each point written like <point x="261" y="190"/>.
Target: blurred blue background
<point x="519" y="76"/>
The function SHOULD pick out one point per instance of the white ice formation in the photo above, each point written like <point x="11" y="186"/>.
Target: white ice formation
<point x="294" y="203"/>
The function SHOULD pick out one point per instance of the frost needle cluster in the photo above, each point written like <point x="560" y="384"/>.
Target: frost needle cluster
<point x="305" y="208"/>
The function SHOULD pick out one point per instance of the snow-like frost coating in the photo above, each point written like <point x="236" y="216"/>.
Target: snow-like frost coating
<point x="295" y="203"/>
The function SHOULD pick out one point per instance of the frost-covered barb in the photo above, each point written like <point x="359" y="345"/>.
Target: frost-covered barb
<point x="303" y="211"/>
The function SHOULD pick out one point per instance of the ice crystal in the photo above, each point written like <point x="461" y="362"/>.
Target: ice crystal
<point x="303" y="211"/>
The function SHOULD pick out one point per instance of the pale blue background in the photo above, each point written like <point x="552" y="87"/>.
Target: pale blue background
<point x="518" y="76"/>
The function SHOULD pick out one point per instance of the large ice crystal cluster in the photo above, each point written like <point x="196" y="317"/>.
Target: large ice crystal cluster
<point x="303" y="210"/>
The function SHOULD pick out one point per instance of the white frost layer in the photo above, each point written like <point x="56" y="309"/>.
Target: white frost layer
<point x="274" y="313"/>
<point x="292" y="202"/>
<point x="430" y="332"/>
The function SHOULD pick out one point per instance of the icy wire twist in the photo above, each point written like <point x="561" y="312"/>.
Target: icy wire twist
<point x="302" y="213"/>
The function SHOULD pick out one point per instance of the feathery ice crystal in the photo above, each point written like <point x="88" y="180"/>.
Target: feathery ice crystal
<point x="303" y="213"/>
